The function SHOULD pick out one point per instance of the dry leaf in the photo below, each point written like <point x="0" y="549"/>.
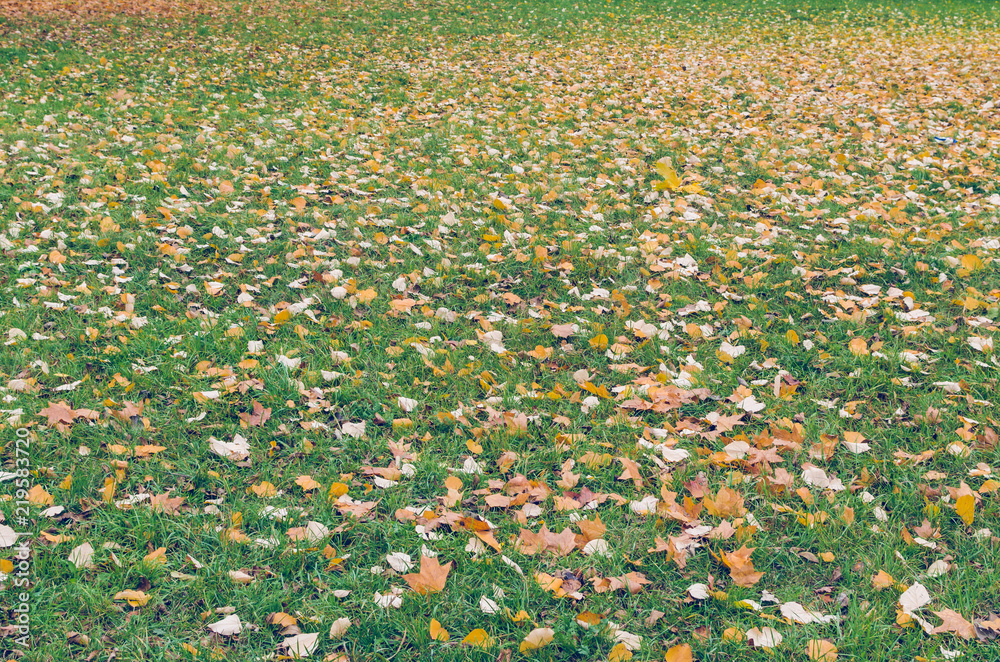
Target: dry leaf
<point x="537" y="638"/>
<point x="821" y="650"/>
<point x="431" y="578"/>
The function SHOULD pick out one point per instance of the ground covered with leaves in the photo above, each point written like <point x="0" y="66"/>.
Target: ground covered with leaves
<point x="434" y="330"/>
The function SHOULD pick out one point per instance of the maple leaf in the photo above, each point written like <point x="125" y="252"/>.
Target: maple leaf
<point x="954" y="622"/>
<point x="882" y="580"/>
<point x="37" y="496"/>
<point x="741" y="566"/>
<point x="57" y="413"/>
<point x="431" y="578"/>
<point x="727" y="503"/>
<point x="166" y="504"/>
<point x="631" y="472"/>
<point x="592" y="529"/>
<point x="307" y="483"/>
<point x="564" y="330"/>
<point x="257" y="417"/>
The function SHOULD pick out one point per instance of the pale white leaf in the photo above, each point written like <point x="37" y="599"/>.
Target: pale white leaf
<point x="228" y="626"/>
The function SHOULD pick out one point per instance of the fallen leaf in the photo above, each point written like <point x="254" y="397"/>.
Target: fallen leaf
<point x="301" y="645"/>
<point x="954" y="622"/>
<point x="679" y="653"/>
<point x="821" y="650"/>
<point x="438" y="633"/>
<point x="766" y="637"/>
<point x="431" y="578"/>
<point x="537" y="638"/>
<point x="134" y="598"/>
<point x="478" y="638"/>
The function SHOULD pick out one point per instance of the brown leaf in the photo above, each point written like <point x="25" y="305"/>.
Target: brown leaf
<point x="727" y="503"/>
<point x="592" y="529"/>
<point x="257" y="417"/>
<point x="166" y="504"/>
<point x="58" y="412"/>
<point x="563" y="330"/>
<point x="954" y="622"/>
<point x="431" y="578"/>
<point x="631" y="472"/>
<point x="741" y="567"/>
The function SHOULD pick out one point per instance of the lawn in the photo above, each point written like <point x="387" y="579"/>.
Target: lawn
<point x="554" y="330"/>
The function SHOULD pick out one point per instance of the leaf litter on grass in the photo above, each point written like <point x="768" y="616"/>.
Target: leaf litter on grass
<point x="543" y="330"/>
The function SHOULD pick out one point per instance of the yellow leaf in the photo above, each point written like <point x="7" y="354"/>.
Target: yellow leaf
<point x="821" y="650"/>
<point x="733" y="634"/>
<point x="280" y="619"/>
<point x="366" y="296"/>
<point x="438" y="633"/>
<point x="537" y="638"/>
<point x="520" y="617"/>
<point x="478" y="638"/>
<point x="134" y="598"/>
<point x="599" y="342"/>
<point x="965" y="505"/>
<point x="670" y="177"/>
<point x="619" y="654"/>
<point x="337" y="490"/>
<point x="282" y="317"/>
<point x="681" y="653"/>
<point x="792" y="337"/>
<point x="971" y="262"/>
<point x="299" y="203"/>
<point x="108" y="491"/>
<point x="858" y="346"/>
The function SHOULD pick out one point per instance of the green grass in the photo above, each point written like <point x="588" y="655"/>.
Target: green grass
<point x="367" y="146"/>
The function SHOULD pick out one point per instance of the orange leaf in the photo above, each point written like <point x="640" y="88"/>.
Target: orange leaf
<point x="306" y="483"/>
<point x="858" y="346"/>
<point x="681" y="653"/>
<point x="741" y="567"/>
<point x="821" y="650"/>
<point x="431" y="578"/>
